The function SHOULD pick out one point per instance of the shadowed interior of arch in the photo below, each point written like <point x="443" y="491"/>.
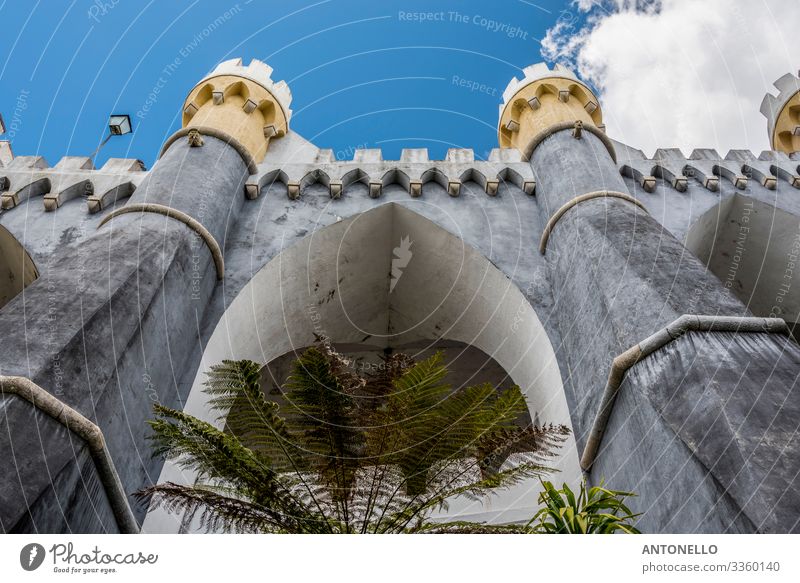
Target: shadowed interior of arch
<point x="466" y="366"/>
<point x="17" y="270"/>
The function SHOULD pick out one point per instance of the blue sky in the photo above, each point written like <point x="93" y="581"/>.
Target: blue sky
<point x="362" y="73"/>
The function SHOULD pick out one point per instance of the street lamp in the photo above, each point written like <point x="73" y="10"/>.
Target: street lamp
<point x="118" y="125"/>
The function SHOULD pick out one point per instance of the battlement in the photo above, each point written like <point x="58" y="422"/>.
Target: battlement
<point x="258" y="72"/>
<point x="783" y="114"/>
<point x="26" y="177"/>
<point x="533" y="73"/>
<point x="542" y="100"/>
<point x="241" y="103"/>
<point x="6" y="154"/>
<point x="412" y="172"/>
<point x="707" y="167"/>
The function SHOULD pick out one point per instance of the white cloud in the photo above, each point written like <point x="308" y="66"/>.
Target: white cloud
<point x="682" y="73"/>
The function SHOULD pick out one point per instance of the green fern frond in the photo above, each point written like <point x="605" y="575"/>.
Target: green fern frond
<point x="324" y="418"/>
<point x="351" y="452"/>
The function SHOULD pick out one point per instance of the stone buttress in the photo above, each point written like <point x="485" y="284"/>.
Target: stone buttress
<point x="695" y="420"/>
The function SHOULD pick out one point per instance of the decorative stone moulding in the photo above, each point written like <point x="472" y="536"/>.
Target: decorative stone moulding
<point x="412" y="172"/>
<point x="708" y="168"/>
<point x="541" y="100"/>
<point x="683" y="325"/>
<point x="28" y="177"/>
<point x="783" y="114"/>
<point x="242" y="103"/>
<point x="45" y="403"/>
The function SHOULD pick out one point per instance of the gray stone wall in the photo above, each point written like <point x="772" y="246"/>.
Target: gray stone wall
<point x="119" y="315"/>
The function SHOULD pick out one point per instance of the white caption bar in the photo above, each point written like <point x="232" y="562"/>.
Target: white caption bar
<point x="410" y="558"/>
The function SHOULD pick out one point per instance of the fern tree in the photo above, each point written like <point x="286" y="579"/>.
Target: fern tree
<point x="349" y="453"/>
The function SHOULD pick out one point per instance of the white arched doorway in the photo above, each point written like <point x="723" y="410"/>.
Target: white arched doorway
<point x="391" y="278"/>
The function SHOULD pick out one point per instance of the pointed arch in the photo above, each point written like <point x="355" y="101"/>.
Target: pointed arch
<point x="17" y="269"/>
<point x="396" y="176"/>
<point x="339" y="282"/>
<point x="434" y="175"/>
<point x="316" y="176"/>
<point x="474" y="175"/>
<point x="238" y="88"/>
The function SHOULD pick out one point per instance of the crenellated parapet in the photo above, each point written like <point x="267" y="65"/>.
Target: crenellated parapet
<point x="412" y="172"/>
<point x="782" y="166"/>
<point x="22" y="179"/>
<point x="241" y="102"/>
<point x="707" y="167"/>
<point x="693" y="192"/>
<point x="27" y="177"/>
<point x="783" y="114"/>
<point x="753" y="168"/>
<point x="541" y="101"/>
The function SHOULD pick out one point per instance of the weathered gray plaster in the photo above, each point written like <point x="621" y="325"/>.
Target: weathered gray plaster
<point x="617" y="275"/>
<point x="112" y="322"/>
<point x="121" y="316"/>
<point x="705" y="430"/>
<point x="329" y="282"/>
<point x="72" y="499"/>
<point x="753" y="247"/>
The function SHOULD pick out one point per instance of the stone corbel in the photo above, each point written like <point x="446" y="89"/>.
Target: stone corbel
<point x="520" y="175"/>
<point x="730" y="174"/>
<point x="71" y="178"/>
<point x="645" y="180"/>
<point x="752" y="167"/>
<point x="117" y="179"/>
<point x="781" y="166"/>
<point x="669" y="165"/>
<point x="700" y="166"/>
<point x="38" y="186"/>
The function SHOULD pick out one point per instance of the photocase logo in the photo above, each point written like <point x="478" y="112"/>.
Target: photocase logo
<point x="31" y="556"/>
<point x="402" y="255"/>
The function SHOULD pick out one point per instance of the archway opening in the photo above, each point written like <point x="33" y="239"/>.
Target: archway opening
<point x="389" y="279"/>
<point x="17" y="270"/>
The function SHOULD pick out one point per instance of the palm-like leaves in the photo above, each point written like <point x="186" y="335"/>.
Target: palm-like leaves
<point x="595" y="510"/>
<point x="350" y="453"/>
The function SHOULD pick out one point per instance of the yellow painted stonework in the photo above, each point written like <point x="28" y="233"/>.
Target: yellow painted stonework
<point x="786" y="137"/>
<point x="542" y="104"/>
<point x="239" y="107"/>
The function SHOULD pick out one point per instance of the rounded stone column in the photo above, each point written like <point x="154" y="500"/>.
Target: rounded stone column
<point x="113" y="327"/>
<point x="617" y="274"/>
<point x="691" y="426"/>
